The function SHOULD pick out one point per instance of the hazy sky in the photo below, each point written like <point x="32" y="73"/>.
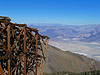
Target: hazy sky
<point x="72" y="12"/>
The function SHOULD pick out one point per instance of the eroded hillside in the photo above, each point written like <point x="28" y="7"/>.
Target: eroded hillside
<point x="59" y="61"/>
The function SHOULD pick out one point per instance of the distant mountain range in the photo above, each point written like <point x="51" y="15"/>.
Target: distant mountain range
<point x="89" y="33"/>
<point x="64" y="61"/>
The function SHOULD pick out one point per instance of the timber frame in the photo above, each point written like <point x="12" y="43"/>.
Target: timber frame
<point x="22" y="49"/>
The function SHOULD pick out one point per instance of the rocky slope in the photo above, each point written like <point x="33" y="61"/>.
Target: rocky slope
<point x="59" y="61"/>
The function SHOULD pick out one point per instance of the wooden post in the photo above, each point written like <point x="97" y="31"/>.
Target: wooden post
<point x="40" y="72"/>
<point x="43" y="67"/>
<point x="1" y="70"/>
<point x="45" y="52"/>
<point x="46" y="47"/>
<point x="24" y="50"/>
<point x="9" y="61"/>
<point x="36" y="52"/>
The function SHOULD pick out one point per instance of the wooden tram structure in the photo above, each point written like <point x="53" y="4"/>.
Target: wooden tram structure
<point x="22" y="49"/>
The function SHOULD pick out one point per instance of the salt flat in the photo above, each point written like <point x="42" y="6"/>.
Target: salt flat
<point x="83" y="48"/>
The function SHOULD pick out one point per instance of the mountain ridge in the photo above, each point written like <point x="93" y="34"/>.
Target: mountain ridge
<point x="85" y="33"/>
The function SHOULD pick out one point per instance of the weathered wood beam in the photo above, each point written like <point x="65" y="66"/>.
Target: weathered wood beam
<point x="43" y="36"/>
<point x="9" y="61"/>
<point x="17" y="38"/>
<point x="6" y="18"/>
<point x="2" y="29"/>
<point x="36" y="52"/>
<point x="24" y="50"/>
<point x="33" y="29"/>
<point x="17" y="65"/>
<point x="21" y="25"/>
<point x="1" y="70"/>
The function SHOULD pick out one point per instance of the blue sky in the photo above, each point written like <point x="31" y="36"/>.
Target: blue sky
<point x="71" y="12"/>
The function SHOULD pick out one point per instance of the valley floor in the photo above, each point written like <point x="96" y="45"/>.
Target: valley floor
<point x="91" y="50"/>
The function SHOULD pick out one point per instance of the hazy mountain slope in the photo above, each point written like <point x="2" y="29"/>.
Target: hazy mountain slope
<point x="93" y="36"/>
<point x="90" y="33"/>
<point x="58" y="61"/>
